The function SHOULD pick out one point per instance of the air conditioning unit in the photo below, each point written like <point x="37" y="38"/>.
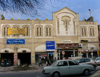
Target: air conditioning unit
<point x="80" y="45"/>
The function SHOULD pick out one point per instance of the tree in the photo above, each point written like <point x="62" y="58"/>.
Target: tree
<point x="28" y="7"/>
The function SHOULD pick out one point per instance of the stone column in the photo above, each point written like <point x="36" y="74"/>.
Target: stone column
<point x="33" y="58"/>
<point x="55" y="55"/>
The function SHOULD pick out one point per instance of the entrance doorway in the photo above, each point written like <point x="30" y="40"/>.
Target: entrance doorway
<point x="25" y="58"/>
<point x="8" y="56"/>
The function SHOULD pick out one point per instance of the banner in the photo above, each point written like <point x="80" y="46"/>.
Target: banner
<point x="12" y="31"/>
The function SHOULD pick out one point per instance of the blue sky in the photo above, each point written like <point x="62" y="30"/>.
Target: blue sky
<point x="78" y="6"/>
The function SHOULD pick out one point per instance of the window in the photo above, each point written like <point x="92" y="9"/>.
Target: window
<point x="48" y="30"/>
<point x="87" y="60"/>
<point x="5" y="30"/>
<point x="62" y="63"/>
<point x="39" y="30"/>
<point x="73" y="63"/>
<point x="27" y="30"/>
<point x="81" y="61"/>
<point x="83" y="31"/>
<point x="91" y="32"/>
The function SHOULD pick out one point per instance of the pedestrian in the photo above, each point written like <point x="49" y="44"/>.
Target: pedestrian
<point x="40" y="62"/>
<point x="5" y="62"/>
<point x="48" y="62"/>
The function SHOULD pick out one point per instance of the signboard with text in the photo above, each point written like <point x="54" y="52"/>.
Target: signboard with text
<point x="50" y="45"/>
<point x="15" y="41"/>
<point x="12" y="31"/>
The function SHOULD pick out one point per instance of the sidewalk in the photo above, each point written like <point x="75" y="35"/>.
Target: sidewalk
<point x="96" y="74"/>
<point x="17" y="68"/>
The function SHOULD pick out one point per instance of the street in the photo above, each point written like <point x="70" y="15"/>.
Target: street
<point x="35" y="73"/>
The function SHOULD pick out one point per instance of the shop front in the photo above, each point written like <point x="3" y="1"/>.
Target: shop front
<point x="45" y="52"/>
<point x="44" y="56"/>
<point x="67" y="50"/>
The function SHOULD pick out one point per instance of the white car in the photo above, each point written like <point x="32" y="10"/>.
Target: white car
<point x="97" y="60"/>
<point x="67" y="67"/>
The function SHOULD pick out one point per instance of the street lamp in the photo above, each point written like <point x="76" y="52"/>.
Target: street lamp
<point x="92" y="51"/>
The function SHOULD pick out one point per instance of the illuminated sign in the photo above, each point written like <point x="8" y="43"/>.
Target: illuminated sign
<point x="16" y="31"/>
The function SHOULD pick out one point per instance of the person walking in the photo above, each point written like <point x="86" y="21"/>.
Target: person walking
<point x="40" y="62"/>
<point x="48" y="62"/>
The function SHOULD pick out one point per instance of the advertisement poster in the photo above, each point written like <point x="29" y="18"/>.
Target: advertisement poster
<point x="15" y="57"/>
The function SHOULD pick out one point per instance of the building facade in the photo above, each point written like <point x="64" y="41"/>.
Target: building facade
<point x="64" y="36"/>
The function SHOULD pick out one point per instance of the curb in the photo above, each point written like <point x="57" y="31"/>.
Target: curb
<point x="96" y="74"/>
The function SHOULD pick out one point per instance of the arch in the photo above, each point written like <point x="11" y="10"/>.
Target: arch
<point x="9" y="49"/>
<point x="40" y="48"/>
<point x="66" y="20"/>
<point x="21" y="49"/>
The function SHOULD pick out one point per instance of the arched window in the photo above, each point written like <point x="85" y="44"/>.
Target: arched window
<point x="5" y="30"/>
<point x="39" y="30"/>
<point x="27" y="30"/>
<point x="83" y="31"/>
<point x="48" y="30"/>
<point x="91" y="31"/>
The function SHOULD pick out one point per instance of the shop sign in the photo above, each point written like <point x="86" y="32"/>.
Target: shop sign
<point x="50" y="45"/>
<point x="12" y="31"/>
<point x="67" y="46"/>
<point x="15" y="41"/>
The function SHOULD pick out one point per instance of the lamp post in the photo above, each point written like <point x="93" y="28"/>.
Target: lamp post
<point x="92" y="51"/>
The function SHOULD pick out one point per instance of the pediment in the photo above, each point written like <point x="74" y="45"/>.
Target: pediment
<point x="65" y="9"/>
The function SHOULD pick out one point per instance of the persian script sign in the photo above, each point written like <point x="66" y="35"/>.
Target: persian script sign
<point x="16" y="31"/>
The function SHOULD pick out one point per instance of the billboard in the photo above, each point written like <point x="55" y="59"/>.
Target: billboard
<point x="50" y="45"/>
<point x="16" y="31"/>
<point x="15" y="41"/>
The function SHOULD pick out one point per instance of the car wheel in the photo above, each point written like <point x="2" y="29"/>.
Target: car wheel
<point x="86" y="72"/>
<point x="56" y="74"/>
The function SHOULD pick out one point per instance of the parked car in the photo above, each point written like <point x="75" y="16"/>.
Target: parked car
<point x="7" y="61"/>
<point x="97" y="60"/>
<point x="89" y="61"/>
<point x="67" y="67"/>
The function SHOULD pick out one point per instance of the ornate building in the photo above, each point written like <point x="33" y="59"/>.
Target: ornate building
<point x="64" y="36"/>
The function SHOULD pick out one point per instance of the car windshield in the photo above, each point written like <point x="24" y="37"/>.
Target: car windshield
<point x="53" y="63"/>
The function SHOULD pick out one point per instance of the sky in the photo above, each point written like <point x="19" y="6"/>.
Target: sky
<point x="78" y="6"/>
